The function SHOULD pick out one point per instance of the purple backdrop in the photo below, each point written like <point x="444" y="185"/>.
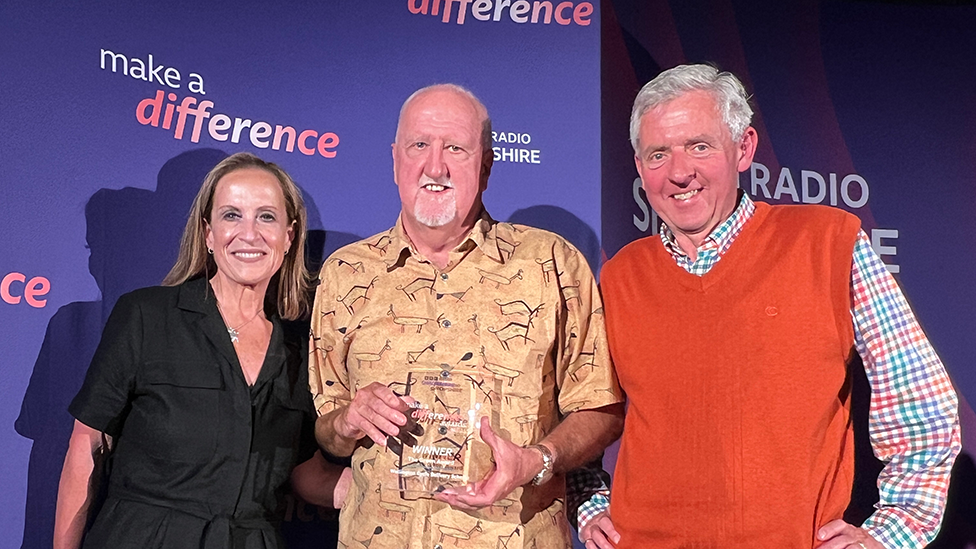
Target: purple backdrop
<point x="95" y="199"/>
<point x="97" y="180"/>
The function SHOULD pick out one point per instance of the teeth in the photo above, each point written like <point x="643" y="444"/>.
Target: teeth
<point x="687" y="195"/>
<point x="248" y="255"/>
<point x="434" y="188"/>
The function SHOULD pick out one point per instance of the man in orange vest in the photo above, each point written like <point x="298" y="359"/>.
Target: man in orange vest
<point x="732" y="333"/>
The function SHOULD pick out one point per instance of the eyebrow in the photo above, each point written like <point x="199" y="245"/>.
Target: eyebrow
<point x="259" y="208"/>
<point x="699" y="138"/>
<point x="652" y="149"/>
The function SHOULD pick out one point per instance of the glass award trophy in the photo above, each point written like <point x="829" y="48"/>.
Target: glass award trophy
<point x="441" y="444"/>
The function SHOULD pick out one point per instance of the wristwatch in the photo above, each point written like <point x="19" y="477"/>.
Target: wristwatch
<point x="547" y="461"/>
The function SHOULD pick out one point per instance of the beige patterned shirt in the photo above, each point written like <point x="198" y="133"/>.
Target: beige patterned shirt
<point x="516" y="312"/>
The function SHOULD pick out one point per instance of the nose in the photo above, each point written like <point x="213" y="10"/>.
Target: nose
<point x="249" y="229"/>
<point x="681" y="169"/>
<point x="434" y="167"/>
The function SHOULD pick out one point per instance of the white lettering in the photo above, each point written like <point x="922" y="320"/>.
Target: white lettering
<point x="845" y="190"/>
<point x="196" y="84"/>
<point x="219" y="123"/>
<point x="519" y="11"/>
<point x="239" y="124"/>
<point x="641" y="223"/>
<point x="785" y="185"/>
<point x="881" y="250"/>
<point x="259" y="131"/>
<point x="481" y="10"/>
<point x="525" y="156"/>
<point x="115" y="57"/>
<point x="499" y="5"/>
<point x="759" y="181"/>
<point x="805" y="177"/>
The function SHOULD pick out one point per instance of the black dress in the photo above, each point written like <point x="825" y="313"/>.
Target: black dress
<point x="200" y="457"/>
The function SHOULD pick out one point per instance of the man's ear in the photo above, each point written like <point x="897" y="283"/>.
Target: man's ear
<point x="393" y="154"/>
<point x="487" y="160"/>
<point x="747" y="148"/>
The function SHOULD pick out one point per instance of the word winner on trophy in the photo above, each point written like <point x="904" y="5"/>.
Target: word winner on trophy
<point x="449" y="450"/>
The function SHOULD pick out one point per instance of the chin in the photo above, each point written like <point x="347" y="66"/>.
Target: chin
<point x="249" y="278"/>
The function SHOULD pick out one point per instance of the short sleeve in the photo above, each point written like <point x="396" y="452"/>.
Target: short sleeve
<point x="104" y="397"/>
<point x="328" y="379"/>
<point x="584" y="372"/>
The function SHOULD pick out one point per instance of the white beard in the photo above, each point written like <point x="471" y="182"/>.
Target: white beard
<point x="435" y="210"/>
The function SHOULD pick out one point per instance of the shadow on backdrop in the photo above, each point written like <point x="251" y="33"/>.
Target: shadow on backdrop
<point x="565" y="224"/>
<point x="133" y="236"/>
<point x="959" y="524"/>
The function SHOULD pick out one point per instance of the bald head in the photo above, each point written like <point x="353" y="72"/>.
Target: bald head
<point x="436" y="91"/>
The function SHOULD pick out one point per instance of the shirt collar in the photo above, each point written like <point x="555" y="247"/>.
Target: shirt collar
<point x="484" y="235"/>
<point x="722" y="237"/>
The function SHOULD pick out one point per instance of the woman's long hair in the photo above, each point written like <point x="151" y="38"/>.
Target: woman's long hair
<point x="291" y="282"/>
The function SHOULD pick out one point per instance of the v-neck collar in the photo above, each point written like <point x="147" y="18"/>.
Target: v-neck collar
<point x="730" y="258"/>
<point x="197" y="296"/>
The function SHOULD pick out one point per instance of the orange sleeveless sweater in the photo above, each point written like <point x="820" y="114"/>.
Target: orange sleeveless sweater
<point x="738" y="428"/>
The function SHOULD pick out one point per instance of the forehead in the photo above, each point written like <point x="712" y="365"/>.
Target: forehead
<point x="690" y="115"/>
<point x="442" y="113"/>
<point x="248" y="184"/>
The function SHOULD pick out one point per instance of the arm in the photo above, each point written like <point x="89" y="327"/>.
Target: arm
<point x="570" y="450"/>
<point x="375" y="411"/>
<point x="913" y="420"/>
<point x="100" y="407"/>
<point x="594" y="526"/>
<point x="321" y="482"/>
<point x="78" y="485"/>
<point x="586" y="383"/>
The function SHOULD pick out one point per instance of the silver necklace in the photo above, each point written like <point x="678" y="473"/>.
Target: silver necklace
<point x="235" y="332"/>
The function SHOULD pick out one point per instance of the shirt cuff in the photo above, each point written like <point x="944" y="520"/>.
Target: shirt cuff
<point x="598" y="503"/>
<point x="889" y="528"/>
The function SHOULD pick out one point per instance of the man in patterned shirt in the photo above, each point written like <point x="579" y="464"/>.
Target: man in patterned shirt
<point x="732" y="334"/>
<point x="450" y="303"/>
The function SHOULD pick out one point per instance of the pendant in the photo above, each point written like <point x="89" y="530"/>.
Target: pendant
<point x="233" y="335"/>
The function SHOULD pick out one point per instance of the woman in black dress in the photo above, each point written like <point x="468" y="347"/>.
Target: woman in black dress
<point x="196" y="391"/>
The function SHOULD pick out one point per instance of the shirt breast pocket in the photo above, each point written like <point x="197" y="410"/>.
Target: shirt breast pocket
<point x="178" y="412"/>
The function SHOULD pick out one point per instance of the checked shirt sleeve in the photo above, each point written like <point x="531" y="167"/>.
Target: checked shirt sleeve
<point x="913" y="422"/>
<point x="587" y="492"/>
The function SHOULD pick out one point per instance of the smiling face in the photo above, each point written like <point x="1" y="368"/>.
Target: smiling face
<point x="249" y="229"/>
<point x="689" y="165"/>
<point x="438" y="162"/>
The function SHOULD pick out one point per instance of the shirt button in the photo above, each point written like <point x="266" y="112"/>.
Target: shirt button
<point x="438" y="546"/>
<point x="444" y="276"/>
<point x="446" y="323"/>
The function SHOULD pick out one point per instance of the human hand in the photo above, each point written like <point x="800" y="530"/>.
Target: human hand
<point x="375" y="412"/>
<point x="514" y="466"/>
<point x="599" y="532"/>
<point x="838" y="534"/>
<point x="341" y="488"/>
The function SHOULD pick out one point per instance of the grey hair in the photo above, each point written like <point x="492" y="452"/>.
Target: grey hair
<point x="724" y="87"/>
<point x="486" y="140"/>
